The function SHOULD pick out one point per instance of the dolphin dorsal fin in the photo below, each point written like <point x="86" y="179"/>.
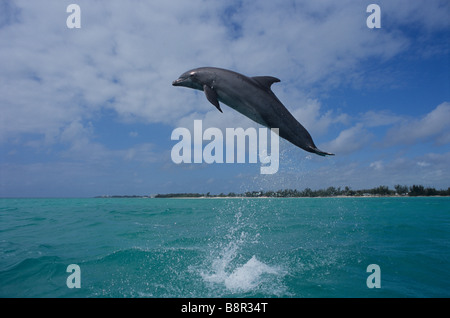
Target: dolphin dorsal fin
<point x="265" y="81"/>
<point x="211" y="95"/>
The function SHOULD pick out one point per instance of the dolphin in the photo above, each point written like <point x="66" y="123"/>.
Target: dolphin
<point x="252" y="97"/>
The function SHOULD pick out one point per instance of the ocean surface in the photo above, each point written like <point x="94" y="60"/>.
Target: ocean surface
<point x="265" y="247"/>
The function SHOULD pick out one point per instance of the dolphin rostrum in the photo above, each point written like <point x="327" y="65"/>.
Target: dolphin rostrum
<point x="252" y="97"/>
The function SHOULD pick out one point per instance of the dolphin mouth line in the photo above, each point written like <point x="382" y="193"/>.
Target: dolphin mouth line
<point x="177" y="82"/>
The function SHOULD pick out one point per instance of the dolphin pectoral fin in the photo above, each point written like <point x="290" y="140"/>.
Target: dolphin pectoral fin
<point x="265" y="81"/>
<point x="211" y="95"/>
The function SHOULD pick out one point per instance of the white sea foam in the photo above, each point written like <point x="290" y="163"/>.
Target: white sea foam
<point x="243" y="278"/>
<point x="249" y="276"/>
<point x="239" y="278"/>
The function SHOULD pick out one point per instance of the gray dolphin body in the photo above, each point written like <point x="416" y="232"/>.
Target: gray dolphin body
<point x="252" y="97"/>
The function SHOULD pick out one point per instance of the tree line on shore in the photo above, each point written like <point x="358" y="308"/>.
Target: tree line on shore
<point x="399" y="190"/>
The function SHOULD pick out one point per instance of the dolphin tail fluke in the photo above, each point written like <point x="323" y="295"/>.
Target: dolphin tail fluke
<point x="319" y="152"/>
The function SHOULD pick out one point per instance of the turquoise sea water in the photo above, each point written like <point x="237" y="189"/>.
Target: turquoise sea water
<point x="293" y="247"/>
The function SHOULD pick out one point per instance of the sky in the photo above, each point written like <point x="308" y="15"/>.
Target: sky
<point x="90" y="111"/>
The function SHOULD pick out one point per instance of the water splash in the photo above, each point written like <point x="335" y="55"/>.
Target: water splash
<point x="232" y="264"/>
<point x="249" y="276"/>
<point x="238" y="278"/>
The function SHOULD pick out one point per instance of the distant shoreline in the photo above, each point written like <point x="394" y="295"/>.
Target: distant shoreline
<point x="330" y="192"/>
<point x="243" y="197"/>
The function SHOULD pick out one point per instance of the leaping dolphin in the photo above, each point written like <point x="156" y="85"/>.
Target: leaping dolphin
<point x="252" y="97"/>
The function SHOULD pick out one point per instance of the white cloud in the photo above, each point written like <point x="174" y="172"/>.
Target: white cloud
<point x="141" y="153"/>
<point x="429" y="170"/>
<point x="80" y="145"/>
<point x="429" y="15"/>
<point x="317" y="122"/>
<point x="423" y="164"/>
<point x="349" y="140"/>
<point x="379" y="118"/>
<point x="377" y="165"/>
<point x="397" y="130"/>
<point x="433" y="126"/>
<point x="325" y="41"/>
